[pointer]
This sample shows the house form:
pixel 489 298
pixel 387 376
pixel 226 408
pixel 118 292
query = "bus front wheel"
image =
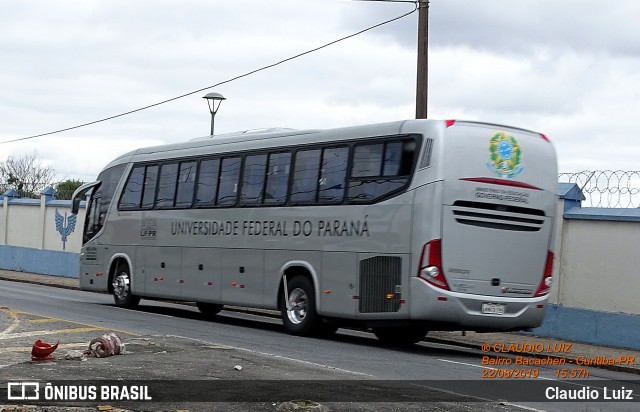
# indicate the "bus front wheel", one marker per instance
pixel 122 289
pixel 299 308
pixel 404 335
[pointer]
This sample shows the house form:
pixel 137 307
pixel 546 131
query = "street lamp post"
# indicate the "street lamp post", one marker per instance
pixel 211 102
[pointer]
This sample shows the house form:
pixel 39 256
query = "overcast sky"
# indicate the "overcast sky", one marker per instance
pixel 569 69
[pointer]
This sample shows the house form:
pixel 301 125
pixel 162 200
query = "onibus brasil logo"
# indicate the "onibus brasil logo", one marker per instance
pixel 505 154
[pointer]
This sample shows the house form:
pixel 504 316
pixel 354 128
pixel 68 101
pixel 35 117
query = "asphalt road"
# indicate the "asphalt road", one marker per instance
pixel 172 342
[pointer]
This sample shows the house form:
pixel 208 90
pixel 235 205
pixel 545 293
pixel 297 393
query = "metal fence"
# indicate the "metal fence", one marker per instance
pixel 607 188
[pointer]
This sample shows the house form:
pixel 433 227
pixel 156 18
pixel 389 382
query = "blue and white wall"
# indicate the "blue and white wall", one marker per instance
pixel 595 297
pixel 39 235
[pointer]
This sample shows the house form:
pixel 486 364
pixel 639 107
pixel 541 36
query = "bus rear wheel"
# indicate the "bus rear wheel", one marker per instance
pixel 208 310
pixel 122 288
pixel 299 308
pixel 402 335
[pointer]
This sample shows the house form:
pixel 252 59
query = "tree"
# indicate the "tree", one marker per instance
pixel 65 189
pixel 26 174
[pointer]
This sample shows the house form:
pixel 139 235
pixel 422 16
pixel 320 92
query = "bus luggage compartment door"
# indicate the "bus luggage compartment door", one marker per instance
pixel 494 252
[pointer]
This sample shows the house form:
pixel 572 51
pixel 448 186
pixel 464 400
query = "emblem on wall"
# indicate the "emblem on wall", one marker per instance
pixel 505 154
pixel 65 226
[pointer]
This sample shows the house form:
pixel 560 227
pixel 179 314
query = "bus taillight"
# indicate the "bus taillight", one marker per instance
pixel 547 279
pixel 431 264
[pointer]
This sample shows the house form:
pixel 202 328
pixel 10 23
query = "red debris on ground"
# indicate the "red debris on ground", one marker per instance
pixel 42 351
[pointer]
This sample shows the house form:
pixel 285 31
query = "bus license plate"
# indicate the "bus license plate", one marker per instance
pixel 493 308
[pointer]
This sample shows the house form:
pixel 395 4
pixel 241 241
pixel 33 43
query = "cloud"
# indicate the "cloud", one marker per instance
pixel 567 69
pixel 520 27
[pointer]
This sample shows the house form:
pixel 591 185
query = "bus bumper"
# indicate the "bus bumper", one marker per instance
pixel 462 311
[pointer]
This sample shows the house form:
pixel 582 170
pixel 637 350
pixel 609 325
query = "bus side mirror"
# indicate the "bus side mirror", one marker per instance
pixel 75 205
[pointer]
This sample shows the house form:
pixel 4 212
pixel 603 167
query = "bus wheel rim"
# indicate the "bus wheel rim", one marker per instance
pixel 297 311
pixel 121 286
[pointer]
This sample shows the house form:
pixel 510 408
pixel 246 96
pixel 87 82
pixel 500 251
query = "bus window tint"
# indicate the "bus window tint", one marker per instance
pixel 392 159
pixel 101 198
pixel 371 189
pixel 228 190
pixel 186 184
pixel 132 193
pixel 375 175
pixel 167 185
pixel 207 182
pixel 408 157
pixel 277 178
pixel 332 175
pixel 149 191
pixel 305 176
pixel 253 177
pixel 367 159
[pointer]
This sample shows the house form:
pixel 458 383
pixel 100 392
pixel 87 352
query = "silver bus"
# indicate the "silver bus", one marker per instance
pixel 399 228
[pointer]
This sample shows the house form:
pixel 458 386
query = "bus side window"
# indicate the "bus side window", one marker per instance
pixel 149 190
pixel 253 177
pixel 207 182
pixel 408 157
pixel 277 178
pixel 380 169
pixel 167 185
pixel 228 186
pixel 132 193
pixel 392 159
pixel 305 176
pixel 367 159
pixel 186 184
pixel 333 174
pixel 94 214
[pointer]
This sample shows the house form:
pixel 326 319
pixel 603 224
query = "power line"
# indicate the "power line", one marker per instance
pixel 225 81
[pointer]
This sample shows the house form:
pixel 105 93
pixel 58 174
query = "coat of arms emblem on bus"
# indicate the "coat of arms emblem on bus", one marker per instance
pixel 505 154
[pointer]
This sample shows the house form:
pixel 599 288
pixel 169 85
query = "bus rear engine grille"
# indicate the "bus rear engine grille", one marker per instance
pixel 380 279
pixel 498 216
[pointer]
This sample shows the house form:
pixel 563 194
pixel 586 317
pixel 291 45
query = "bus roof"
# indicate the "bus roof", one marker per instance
pixel 256 139
pixel 283 137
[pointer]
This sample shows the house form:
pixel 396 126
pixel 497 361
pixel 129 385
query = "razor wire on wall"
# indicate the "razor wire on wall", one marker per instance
pixel 607 188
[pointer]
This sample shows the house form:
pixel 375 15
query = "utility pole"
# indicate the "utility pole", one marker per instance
pixel 422 82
